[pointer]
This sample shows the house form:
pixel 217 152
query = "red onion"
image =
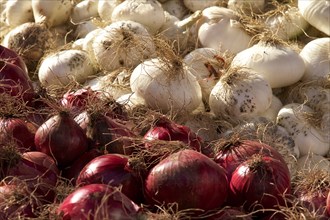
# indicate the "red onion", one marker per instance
pixel 10 56
pixel 228 213
pixel 39 172
pixel 72 172
pixel 17 131
pixel 14 82
pixel 62 138
pixel 232 154
pixel 98 201
pixel 16 202
pixel 114 170
pixel 328 203
pixel 165 129
pixel 106 133
pixel 261 182
pixel 188 178
pixel 77 101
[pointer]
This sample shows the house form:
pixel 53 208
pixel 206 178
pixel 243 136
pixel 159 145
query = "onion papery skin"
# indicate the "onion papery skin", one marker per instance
pixel 61 138
pixel 15 82
pixel 97 201
pixel 20 207
pixel 314 200
pixel 77 101
pixel 113 170
pixel 10 56
pixel 105 133
pixel 72 172
pixel 261 183
pixel 188 178
pixel 231 155
pixel 17 131
pixel 167 130
pixel 39 172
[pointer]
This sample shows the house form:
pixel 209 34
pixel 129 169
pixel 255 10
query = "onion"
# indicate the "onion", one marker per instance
pixel 105 9
pixel 10 56
pixel 97 201
pixel 140 11
pixel 220 29
pixel 17 131
pixel 176 8
pixel 17 12
pixel 51 13
pixel 61 138
pixel 165 129
pixel 247 6
pixel 228 213
pixel 65 67
pixel 189 179
pixel 316 12
pixel 272 112
pixel 316 57
pixel 240 94
pixel 114 170
pixel 15 82
pixel 298 120
pixel 166 86
pixel 38 171
pixel 328 203
pixel 279 64
pixel 84 10
pixel 231 154
pixel 313 162
pixel 311 188
pixel 194 5
pixel 261 182
pixel 105 133
pixel 16 202
pixel 122 44
pixel 72 172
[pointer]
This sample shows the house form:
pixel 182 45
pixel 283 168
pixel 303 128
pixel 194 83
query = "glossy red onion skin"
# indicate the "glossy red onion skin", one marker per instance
pixel 39 172
pixel 114 170
pixel 234 154
pixel 17 131
pixel 72 172
pixel 105 133
pixel 84 201
pixel 15 82
pixel 189 178
pixel 167 130
pixel 61 138
pixel 22 209
pixel 10 56
pixel 266 185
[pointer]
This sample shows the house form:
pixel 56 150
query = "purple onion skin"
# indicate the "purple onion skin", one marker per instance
pixel 190 179
pixel 97 201
pixel 61 138
pixel 114 170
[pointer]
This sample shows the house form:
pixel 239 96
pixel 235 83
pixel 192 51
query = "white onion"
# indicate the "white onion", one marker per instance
pixel 85 27
pixel 50 12
pixel 279 64
pixel 149 13
pixel 316 55
pixel 64 68
pixel 130 100
pixel 206 64
pixel 247 6
pixel 17 12
pixel 309 139
pixel 84 10
pixel 240 94
pixel 220 29
pixel 176 8
pixel 288 24
pixel 272 112
pixel 113 84
pixel 166 86
pixel 317 13
pixel 195 5
pixel 122 44
pixel 105 8
pixel 313 162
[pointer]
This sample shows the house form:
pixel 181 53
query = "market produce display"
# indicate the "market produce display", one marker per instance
pixel 164 109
